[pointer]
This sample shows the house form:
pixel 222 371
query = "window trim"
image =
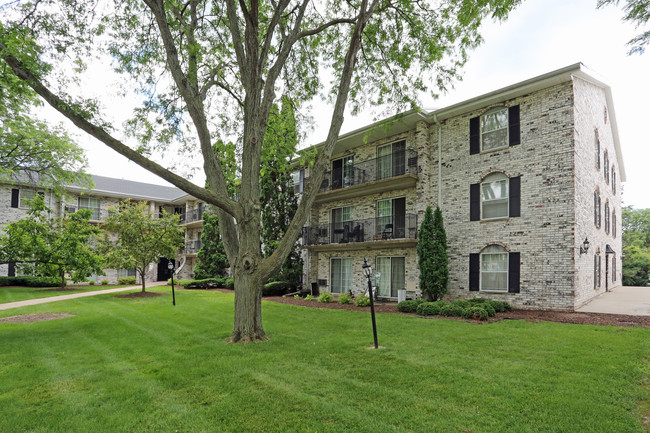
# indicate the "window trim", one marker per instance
pixel 96 212
pixel 506 253
pixel 390 288
pixel 21 198
pixel 507 198
pixel 331 276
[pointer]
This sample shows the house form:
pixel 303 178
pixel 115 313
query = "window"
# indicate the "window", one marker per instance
pixel 392 276
pixel 391 160
pixel 597 209
pixel 121 273
pixel 613 180
pixel 341 275
pixel 92 204
pixel 494 269
pixel 597 148
pixel 606 166
pixel 343 172
pixel 26 196
pixel 614 224
pixel 613 267
pixel 607 217
pixel 391 218
pixel 298 181
pixel 495 129
pixel 340 221
pixel 496 197
pixel 596 271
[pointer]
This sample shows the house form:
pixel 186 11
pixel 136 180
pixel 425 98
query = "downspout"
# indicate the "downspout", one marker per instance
pixel 437 122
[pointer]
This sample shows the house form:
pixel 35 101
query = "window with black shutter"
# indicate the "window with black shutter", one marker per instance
pixel 15 194
pixel 496 129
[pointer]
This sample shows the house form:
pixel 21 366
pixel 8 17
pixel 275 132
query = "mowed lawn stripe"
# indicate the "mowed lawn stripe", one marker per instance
pixel 144 365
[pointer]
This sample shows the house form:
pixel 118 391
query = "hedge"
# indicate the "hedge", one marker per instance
pixel 30 281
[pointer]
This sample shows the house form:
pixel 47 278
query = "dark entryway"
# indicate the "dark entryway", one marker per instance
pixel 163 271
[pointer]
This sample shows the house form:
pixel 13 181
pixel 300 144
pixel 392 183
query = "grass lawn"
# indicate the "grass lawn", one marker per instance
pixel 14 294
pixel 141 365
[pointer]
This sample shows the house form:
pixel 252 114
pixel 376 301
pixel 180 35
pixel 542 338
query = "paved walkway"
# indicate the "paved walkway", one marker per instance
pixel 634 301
pixel 18 304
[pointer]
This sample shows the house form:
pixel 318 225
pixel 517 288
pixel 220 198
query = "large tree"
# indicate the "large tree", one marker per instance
pixel 46 245
pixel 638 12
pixel 139 238
pixel 636 246
pixel 208 67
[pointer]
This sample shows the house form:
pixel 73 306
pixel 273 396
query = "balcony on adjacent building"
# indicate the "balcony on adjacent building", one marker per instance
pixel 192 216
pixel 394 229
pixel 392 171
pixel 191 248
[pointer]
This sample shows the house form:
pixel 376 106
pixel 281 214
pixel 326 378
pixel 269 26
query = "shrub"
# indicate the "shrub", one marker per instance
pixel 500 307
pixel 91 282
pixel 462 303
pixel 104 282
pixel 276 288
pixel 30 281
pixel 477 301
pixel 362 301
pixel 296 296
pixel 430 308
pixel 488 308
pixel 345 298
pixel 325 298
pixel 229 283
pixel 126 280
pixel 451 310
pixel 476 313
pixel 407 306
pixel 419 301
pixel 207 283
pixel 309 298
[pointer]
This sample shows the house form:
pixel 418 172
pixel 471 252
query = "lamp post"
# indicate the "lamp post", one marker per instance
pixel 367 271
pixel 170 266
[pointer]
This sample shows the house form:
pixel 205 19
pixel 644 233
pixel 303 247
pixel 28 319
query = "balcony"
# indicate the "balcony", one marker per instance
pixel 192 216
pixel 393 171
pixel 191 248
pixel 399 230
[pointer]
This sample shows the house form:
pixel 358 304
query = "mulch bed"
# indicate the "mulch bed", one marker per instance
pixel 529 315
pixel 28 318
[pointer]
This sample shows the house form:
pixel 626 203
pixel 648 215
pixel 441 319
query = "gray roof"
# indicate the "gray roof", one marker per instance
pixel 112 187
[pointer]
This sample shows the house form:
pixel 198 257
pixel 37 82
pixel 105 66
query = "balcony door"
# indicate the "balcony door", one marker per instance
pixel 341 275
pixel 391 218
pixel 391 160
pixel 392 276
pixel 343 172
pixel 340 223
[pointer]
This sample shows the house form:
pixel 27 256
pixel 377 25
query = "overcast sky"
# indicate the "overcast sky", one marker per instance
pixel 539 37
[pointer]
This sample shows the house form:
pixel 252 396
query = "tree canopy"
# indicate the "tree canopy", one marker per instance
pixel 45 245
pixel 205 69
pixel 636 246
pixel 638 12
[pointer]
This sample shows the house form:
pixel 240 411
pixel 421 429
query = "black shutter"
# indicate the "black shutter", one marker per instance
pixel 515 196
pixel 14 197
pixel 474 272
pixel 474 135
pixel 513 272
pixel 12 269
pixel 475 202
pixel 514 131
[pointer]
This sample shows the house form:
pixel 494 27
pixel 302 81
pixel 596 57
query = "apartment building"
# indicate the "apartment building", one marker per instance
pixel 14 199
pixel 528 181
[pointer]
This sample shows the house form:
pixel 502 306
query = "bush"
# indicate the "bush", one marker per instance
pixel 325 298
pixel 477 301
pixel 345 298
pixel 229 283
pixel 30 281
pixel 451 310
pixel 407 306
pixel 462 303
pixel 476 312
pixel 430 308
pixel 488 308
pixel 126 280
pixel 309 298
pixel 104 282
pixel 91 282
pixel 362 301
pixel 207 283
pixel 276 288
pixel 501 307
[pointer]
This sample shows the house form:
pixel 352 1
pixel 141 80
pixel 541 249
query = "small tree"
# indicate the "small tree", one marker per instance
pixel 432 255
pixel 52 246
pixel 140 238
pixel 212 257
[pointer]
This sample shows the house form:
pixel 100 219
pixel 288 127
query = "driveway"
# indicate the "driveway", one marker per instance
pixel 10 305
pixel 633 301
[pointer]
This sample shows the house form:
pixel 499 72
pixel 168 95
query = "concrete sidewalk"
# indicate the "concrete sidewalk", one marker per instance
pixel 634 301
pixel 18 304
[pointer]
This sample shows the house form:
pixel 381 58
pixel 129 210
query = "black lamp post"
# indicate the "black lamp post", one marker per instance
pixel 367 271
pixel 170 266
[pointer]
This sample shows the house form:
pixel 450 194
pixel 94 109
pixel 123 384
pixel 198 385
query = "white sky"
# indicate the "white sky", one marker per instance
pixel 539 37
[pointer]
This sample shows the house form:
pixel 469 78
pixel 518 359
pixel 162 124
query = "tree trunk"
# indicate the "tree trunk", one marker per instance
pixel 142 278
pixel 62 275
pixel 248 309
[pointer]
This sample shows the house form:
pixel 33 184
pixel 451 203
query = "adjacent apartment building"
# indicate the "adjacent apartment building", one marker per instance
pixel 527 177
pixel 14 199
pixel 528 181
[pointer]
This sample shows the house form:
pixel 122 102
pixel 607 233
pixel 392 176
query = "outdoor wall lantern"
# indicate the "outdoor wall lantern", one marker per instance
pixel 367 271
pixel 170 266
pixel 584 247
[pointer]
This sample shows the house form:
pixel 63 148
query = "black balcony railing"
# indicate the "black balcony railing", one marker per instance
pixel 191 216
pixel 367 230
pixel 392 165
pixel 191 247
